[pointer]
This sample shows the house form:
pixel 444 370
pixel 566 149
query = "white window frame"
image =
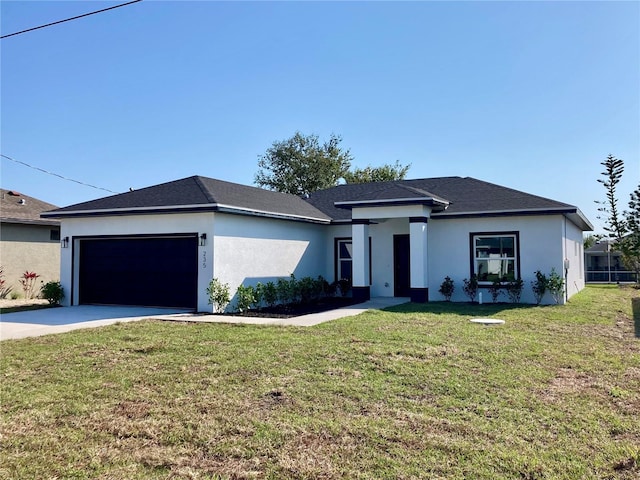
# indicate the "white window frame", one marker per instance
pixel 501 259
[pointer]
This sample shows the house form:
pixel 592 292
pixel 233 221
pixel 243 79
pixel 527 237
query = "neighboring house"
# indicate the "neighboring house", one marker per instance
pixel 162 245
pixel 604 264
pixel 27 242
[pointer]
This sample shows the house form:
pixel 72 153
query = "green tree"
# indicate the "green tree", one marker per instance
pixel 301 165
pixel 614 223
pixel 590 240
pixel 630 244
pixel 377 174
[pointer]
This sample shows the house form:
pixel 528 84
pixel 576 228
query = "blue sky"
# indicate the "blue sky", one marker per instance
pixel 530 95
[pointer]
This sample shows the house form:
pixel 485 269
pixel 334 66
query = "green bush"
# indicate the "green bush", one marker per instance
pixel 218 295
pixel 555 285
pixel 539 286
pixel 269 294
pixel 287 289
pixel 245 297
pixel 495 290
pixel 53 292
pixel 514 290
pixel 446 288
pixel 470 287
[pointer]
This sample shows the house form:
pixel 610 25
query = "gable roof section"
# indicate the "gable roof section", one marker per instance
pixel 194 194
pixel 23 209
pixel 449 197
pixel 460 197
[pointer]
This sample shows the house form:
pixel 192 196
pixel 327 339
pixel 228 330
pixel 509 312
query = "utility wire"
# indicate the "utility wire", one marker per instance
pixel 55 174
pixel 69 19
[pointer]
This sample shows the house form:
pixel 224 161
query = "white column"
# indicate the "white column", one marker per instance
pixel 360 260
pixel 418 251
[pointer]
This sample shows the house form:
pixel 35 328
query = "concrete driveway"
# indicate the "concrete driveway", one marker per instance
pixel 34 323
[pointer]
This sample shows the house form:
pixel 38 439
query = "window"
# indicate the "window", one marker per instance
pixel 344 260
pixel 495 256
pixel 54 234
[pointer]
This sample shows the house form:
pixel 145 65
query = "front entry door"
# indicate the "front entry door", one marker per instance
pixel 401 266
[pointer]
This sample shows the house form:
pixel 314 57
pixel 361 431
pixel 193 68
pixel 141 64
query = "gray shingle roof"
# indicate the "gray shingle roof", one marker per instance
pixel 198 193
pixel 460 195
pixel 465 196
pixel 16 207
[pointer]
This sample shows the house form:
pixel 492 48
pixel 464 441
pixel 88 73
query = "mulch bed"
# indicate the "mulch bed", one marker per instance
pixel 295 310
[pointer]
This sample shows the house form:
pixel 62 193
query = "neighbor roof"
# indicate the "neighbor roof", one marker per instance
pixel 448 197
pixel 198 194
pixel 16 207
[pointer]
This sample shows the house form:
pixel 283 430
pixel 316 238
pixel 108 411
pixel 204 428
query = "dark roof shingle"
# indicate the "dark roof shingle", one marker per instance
pixel 198 192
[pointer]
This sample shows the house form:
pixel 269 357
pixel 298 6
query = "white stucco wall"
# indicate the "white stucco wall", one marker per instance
pixel 574 253
pixel 541 248
pixel 544 242
pixel 381 234
pixel 248 250
pixel 76 228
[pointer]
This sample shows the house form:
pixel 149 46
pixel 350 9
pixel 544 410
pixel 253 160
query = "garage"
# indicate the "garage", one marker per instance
pixel 158 271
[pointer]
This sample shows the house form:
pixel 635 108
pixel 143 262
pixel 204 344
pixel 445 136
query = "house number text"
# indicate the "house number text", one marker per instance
pixel 204 259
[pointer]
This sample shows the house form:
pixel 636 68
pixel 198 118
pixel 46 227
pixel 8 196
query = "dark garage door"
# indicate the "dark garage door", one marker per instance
pixel 158 271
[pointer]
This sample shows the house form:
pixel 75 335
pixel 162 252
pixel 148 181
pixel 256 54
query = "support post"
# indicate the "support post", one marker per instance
pixel 360 244
pixel 418 251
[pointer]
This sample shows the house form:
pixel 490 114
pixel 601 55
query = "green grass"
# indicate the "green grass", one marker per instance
pixel 413 392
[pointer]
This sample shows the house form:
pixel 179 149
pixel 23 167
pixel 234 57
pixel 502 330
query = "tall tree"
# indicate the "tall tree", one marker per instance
pixel 301 165
pixel 614 223
pixel 630 244
pixel 377 174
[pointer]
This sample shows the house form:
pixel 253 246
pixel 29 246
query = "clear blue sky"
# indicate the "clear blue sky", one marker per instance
pixel 530 95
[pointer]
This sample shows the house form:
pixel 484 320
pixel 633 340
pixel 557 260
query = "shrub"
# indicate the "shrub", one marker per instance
pixel 539 286
pixel 5 290
pixel 514 290
pixel 446 288
pixel 218 295
pixel 495 290
pixel 245 297
pixel 320 287
pixel 306 288
pixel 286 290
pixel 555 285
pixel 28 282
pixel 470 287
pixel 345 286
pixel 270 294
pixel 259 296
pixel 53 292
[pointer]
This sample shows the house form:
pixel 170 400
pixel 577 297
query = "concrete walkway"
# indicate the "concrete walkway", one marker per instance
pixel 46 321
pixel 309 320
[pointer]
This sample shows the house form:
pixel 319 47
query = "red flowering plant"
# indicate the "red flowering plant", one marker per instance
pixel 5 289
pixel 28 281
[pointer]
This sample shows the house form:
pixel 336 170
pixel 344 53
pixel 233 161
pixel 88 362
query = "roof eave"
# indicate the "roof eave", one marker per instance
pixel 572 213
pixel 393 202
pixel 212 207
pixel 25 221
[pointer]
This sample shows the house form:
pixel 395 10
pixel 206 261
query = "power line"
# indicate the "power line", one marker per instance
pixel 56 175
pixel 69 19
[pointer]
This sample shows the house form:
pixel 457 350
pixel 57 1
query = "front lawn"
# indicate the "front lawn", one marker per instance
pixel 413 392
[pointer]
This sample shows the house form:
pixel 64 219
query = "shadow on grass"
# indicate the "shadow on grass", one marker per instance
pixel 460 308
pixel 635 306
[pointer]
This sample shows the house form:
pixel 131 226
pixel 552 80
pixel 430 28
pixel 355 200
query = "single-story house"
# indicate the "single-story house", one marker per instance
pixel 27 242
pixel 604 264
pixel 163 244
